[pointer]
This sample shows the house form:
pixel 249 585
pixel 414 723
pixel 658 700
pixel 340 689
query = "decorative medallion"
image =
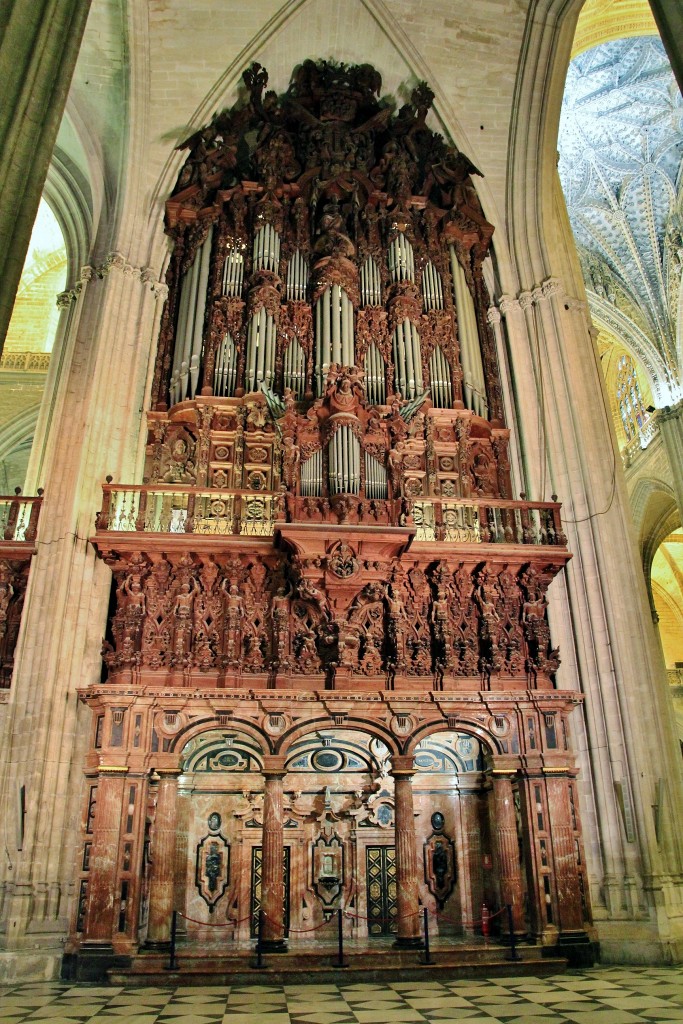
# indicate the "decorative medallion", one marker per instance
pixel 212 873
pixel 439 862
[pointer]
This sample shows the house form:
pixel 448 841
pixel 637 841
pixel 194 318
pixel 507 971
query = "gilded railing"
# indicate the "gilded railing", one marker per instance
pixel 19 517
pixel 179 509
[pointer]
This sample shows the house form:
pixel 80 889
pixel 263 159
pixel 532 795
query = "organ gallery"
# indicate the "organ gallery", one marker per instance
pixel 328 674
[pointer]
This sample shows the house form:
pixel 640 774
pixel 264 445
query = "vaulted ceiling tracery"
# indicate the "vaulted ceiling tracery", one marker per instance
pixel 621 148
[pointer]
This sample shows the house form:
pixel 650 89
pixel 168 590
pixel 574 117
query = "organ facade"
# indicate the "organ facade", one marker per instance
pixel 328 675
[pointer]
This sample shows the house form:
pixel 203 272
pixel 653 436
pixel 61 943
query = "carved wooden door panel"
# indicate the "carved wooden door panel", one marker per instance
pixel 381 883
pixel 256 871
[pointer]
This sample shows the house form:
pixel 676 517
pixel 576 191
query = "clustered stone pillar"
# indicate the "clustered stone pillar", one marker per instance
pixel 272 881
pixel 39 44
pixel 670 420
pixel 407 881
pixel 163 852
pixel 504 827
pixel 104 855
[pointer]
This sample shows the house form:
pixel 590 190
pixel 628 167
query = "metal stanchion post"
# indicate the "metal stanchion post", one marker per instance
pixel 259 942
pixel 340 940
pixel 511 928
pixel 427 959
pixel 172 962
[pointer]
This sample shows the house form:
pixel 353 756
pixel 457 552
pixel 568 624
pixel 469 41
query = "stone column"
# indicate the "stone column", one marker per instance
pixel 472 887
pixel 39 44
pixel 669 17
pixel 567 885
pixel 504 828
pixel 407 881
pixel 272 885
pixel 163 851
pixel 670 420
pixel 104 856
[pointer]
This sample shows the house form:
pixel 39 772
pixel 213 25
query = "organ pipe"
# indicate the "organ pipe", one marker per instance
pixel 225 369
pixel 295 368
pixel 266 252
pixel 260 350
pixel 190 326
pixel 400 260
pixel 344 461
pixel 233 273
pixel 375 479
pixel 312 476
pixel 370 284
pixel 432 288
pixel 440 380
pixel 474 385
pixel 375 376
pixel 297 278
pixel 334 336
pixel 407 359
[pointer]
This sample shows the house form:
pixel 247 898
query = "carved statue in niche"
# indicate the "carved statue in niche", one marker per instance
pixel 541 657
pixel 208 611
pixel 280 614
pixel 509 638
pixel 440 616
pixel 291 459
pixel 183 631
pixel 486 595
pixel 177 461
pixel 365 631
pixel 234 613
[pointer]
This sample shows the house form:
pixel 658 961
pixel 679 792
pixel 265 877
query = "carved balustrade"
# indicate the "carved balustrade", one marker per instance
pixel 182 509
pixel 18 528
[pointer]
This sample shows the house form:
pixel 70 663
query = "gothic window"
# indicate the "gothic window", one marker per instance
pixel 631 408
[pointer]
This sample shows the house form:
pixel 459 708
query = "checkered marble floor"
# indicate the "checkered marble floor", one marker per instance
pixel 597 996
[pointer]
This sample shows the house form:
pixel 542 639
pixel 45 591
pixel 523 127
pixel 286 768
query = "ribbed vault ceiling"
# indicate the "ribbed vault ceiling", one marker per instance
pixel 621 152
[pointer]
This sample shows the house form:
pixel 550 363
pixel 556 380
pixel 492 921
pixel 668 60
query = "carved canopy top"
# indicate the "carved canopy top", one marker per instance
pixel 329 136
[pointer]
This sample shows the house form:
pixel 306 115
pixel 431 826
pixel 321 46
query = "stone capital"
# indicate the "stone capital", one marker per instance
pixel 402 765
pixel 274 765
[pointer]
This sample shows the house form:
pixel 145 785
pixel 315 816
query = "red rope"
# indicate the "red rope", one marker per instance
pixel 213 924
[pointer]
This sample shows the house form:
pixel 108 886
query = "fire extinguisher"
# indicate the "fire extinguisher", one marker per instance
pixel 485 921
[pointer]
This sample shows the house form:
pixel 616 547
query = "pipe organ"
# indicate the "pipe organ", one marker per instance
pixel 346 254
pixel 344 460
pixel 190 329
pixel 407 359
pixel 326 507
pixel 474 386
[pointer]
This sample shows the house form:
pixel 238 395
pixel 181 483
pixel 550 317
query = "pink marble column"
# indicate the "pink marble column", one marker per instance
pixel 504 827
pixel 163 851
pixel 472 885
pixel 407 879
pixel 564 850
pixel 272 885
pixel 104 856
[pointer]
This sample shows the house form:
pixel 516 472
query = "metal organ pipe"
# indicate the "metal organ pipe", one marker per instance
pixel 312 476
pixel 375 376
pixel 225 368
pixel 440 380
pixel 266 252
pixel 400 260
pixel 295 368
pixel 334 337
pixel 344 461
pixel 474 385
pixel 189 337
pixel 233 273
pixel 297 278
pixel 375 479
pixel 370 284
pixel 432 288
